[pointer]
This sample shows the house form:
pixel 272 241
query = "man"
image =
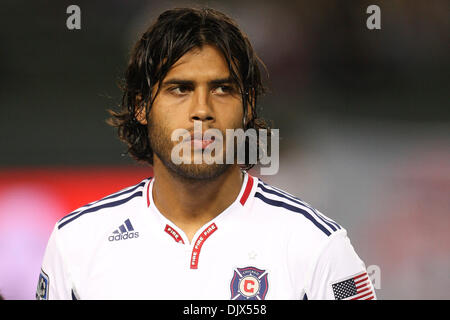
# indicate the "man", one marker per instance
pixel 200 230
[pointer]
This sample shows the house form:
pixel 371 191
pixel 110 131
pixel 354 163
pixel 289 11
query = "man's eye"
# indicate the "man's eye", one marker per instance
pixel 180 90
pixel 222 90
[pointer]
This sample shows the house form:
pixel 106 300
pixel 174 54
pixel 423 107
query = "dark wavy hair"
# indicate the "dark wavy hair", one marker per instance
pixel 173 34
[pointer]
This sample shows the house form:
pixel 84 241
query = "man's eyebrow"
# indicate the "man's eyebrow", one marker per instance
pixel 191 82
pixel 177 81
pixel 222 81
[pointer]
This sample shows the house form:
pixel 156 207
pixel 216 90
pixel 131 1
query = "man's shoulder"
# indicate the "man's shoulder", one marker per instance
pixel 284 208
pixel 97 211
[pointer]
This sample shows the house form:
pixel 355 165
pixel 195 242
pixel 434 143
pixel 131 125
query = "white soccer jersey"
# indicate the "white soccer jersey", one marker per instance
pixel 266 245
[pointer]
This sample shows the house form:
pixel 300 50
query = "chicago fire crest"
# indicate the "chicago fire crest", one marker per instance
pixel 249 283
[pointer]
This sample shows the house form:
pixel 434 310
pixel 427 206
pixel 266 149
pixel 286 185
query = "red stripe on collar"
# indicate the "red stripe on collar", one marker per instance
pixel 148 195
pixel 174 234
pixel 209 230
pixel 247 190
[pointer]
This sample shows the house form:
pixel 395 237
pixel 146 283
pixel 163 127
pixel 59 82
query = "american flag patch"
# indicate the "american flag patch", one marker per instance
pixel 357 287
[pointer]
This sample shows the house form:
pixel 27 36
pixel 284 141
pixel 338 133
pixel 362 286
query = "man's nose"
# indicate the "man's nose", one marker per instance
pixel 201 108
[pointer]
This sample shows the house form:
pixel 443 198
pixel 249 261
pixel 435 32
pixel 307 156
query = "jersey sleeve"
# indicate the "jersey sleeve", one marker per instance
pixel 338 273
pixel 54 279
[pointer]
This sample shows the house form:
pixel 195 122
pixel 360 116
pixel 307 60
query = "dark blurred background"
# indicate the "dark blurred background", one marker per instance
pixel 363 117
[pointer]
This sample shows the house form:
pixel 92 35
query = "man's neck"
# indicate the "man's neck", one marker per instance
pixel 190 204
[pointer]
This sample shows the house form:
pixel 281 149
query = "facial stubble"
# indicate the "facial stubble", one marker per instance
pixel 162 145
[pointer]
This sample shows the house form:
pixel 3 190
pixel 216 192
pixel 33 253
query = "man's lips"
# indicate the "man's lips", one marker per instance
pixel 197 141
pixel 201 144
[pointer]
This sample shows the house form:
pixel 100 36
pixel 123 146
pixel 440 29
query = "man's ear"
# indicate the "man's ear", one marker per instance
pixel 140 111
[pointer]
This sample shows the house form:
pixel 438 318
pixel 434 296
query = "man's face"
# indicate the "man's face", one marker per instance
pixel 198 87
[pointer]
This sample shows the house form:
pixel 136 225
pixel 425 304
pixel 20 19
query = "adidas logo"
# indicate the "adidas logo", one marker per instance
pixel 124 232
